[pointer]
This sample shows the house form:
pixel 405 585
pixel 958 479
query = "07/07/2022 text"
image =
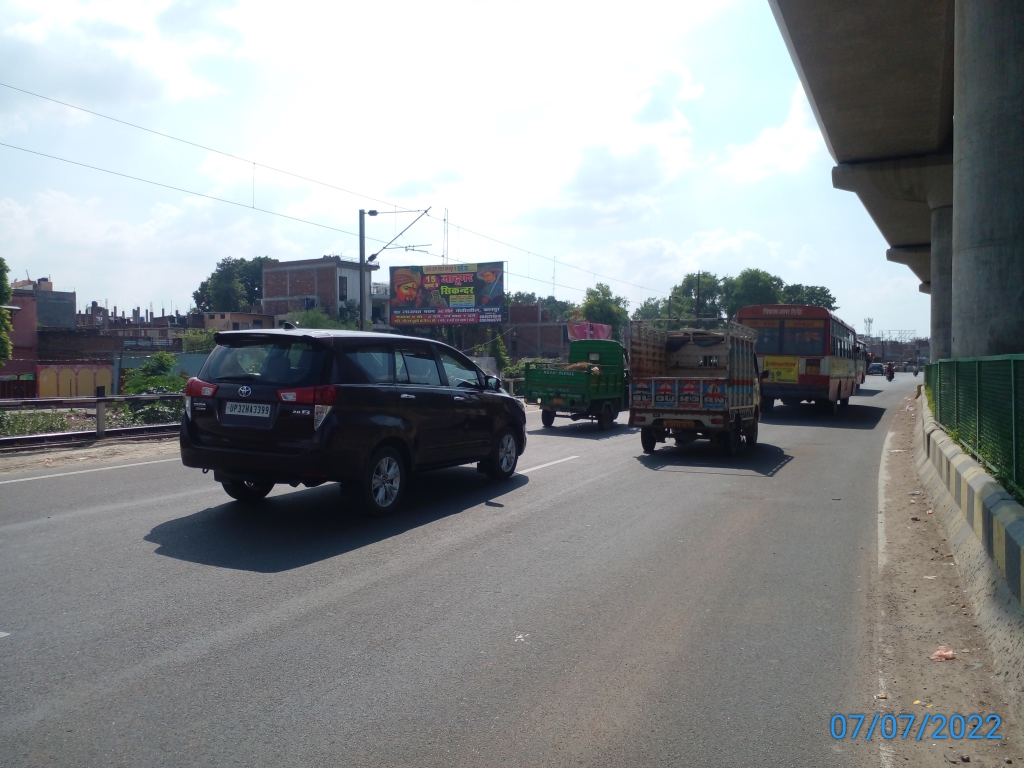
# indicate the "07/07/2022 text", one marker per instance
pixel 891 726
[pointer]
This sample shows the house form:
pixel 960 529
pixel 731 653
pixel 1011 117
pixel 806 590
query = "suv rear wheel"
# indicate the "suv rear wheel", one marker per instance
pixel 384 481
pixel 243 490
pixel 501 464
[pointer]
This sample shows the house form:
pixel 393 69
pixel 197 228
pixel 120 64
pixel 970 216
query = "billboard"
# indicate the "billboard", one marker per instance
pixel 448 294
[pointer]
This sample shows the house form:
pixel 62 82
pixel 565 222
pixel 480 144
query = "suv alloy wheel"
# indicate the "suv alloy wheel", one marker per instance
pixel 501 464
pixel 384 482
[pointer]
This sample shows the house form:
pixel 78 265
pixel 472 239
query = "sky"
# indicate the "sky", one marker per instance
pixel 578 142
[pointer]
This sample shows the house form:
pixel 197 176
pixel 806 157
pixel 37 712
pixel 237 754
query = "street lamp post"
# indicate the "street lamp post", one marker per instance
pixel 363 261
pixel 362 267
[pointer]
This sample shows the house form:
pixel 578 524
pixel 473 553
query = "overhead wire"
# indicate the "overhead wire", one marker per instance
pixel 287 173
pixel 185 191
pixel 194 144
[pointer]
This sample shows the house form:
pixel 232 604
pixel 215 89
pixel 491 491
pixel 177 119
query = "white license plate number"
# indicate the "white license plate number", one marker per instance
pixel 248 409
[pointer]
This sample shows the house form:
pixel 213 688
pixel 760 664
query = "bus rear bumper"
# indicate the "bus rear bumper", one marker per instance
pixel 796 391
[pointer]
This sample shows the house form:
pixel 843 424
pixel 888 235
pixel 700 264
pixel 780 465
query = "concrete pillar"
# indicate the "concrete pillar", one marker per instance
pixel 941 282
pixel 988 178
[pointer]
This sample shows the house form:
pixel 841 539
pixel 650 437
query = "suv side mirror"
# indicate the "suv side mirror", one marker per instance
pixel 494 383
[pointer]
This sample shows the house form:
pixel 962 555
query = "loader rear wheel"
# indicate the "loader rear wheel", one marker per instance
pixel 647 440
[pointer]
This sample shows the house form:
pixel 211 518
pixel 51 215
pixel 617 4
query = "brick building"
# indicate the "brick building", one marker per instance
pixel 533 334
pixel 236 321
pixel 18 375
pixel 325 283
pixel 54 309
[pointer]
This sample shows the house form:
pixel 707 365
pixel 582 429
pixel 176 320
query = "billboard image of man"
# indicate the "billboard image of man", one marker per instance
pixel 406 284
pixel 488 285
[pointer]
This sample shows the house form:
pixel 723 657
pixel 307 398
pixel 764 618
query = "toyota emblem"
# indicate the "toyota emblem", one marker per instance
pixel 244 391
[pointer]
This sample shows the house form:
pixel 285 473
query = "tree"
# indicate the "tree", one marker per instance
pixel 155 375
pixel 812 295
pixel 496 349
pixel 234 284
pixel 651 309
pixel 600 306
pixel 317 318
pixel 198 340
pixel 698 295
pixel 6 348
pixel 557 310
pixel 751 286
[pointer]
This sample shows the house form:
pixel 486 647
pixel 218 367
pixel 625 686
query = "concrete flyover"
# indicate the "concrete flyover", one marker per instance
pixel 884 80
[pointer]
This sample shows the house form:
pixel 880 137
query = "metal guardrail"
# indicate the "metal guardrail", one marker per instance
pixel 85 435
pixel 99 403
pixel 980 403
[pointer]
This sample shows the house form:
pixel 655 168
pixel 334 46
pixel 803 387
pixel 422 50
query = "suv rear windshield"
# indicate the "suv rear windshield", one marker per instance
pixel 281 362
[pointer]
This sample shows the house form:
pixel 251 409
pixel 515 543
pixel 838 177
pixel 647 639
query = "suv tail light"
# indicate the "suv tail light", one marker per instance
pixel 321 398
pixel 326 395
pixel 197 388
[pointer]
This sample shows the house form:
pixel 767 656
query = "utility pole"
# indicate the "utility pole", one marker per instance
pixel 362 269
pixel 696 309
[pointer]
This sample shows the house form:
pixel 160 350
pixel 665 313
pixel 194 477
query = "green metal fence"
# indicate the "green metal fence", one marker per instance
pixel 980 402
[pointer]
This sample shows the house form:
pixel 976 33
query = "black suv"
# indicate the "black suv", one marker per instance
pixel 309 406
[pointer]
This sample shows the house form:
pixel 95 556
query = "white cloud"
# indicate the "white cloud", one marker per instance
pixel 785 149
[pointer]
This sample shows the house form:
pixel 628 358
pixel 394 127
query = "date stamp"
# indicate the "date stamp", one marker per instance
pixel 931 727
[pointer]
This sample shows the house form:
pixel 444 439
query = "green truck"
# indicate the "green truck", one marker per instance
pixel 594 384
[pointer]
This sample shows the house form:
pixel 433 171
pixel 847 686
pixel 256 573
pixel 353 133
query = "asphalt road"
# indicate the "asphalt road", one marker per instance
pixel 611 609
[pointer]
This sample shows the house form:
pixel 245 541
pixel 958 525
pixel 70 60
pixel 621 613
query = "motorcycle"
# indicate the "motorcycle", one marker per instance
pixel 889 375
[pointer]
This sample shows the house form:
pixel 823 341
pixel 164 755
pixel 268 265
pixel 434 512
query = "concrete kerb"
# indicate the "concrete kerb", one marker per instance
pixel 984 527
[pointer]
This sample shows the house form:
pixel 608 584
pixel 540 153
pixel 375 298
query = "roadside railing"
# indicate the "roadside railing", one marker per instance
pixel 979 402
pixel 99 406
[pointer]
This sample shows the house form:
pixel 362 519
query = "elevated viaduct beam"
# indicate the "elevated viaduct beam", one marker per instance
pixel 988 179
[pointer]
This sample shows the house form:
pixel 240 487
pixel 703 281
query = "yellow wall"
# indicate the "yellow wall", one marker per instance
pixel 73 380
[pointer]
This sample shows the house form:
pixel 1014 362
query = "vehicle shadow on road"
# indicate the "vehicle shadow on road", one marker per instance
pixel 581 429
pixel 701 457
pixel 867 392
pixel 809 415
pixel 296 529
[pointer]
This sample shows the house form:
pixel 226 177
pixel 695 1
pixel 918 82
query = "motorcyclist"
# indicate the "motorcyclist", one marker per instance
pixel 890 371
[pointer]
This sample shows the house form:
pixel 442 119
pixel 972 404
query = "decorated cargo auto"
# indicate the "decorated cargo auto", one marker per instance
pixel 694 382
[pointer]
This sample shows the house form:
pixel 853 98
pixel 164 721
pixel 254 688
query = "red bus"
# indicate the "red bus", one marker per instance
pixel 803 353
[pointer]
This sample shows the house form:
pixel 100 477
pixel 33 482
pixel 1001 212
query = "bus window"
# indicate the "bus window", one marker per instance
pixel 803 341
pixel 767 337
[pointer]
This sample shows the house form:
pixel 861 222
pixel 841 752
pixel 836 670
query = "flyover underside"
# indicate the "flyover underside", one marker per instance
pixel 882 79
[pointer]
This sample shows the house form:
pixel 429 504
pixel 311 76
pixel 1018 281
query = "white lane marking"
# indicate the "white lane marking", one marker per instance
pixel 885 752
pixel 883 480
pixel 84 471
pixel 549 464
pixel 5 634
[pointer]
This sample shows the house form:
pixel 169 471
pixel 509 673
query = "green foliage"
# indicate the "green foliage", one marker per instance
pixel 651 309
pixel 600 306
pixel 496 349
pixel 517 370
pixel 232 286
pixel 812 295
pixel 6 348
pixel 198 340
pixel 559 311
pixel 751 286
pixel 317 318
pixel 154 376
pixel 32 422
pixel 699 295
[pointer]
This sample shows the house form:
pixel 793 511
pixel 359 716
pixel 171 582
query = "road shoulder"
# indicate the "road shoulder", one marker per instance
pixel 921 603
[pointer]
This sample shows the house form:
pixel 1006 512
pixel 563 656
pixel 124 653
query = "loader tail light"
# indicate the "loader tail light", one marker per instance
pixel 197 388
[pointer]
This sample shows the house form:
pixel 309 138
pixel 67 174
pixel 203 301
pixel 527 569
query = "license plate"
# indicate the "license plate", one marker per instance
pixel 557 400
pixel 247 409
pixel 676 424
